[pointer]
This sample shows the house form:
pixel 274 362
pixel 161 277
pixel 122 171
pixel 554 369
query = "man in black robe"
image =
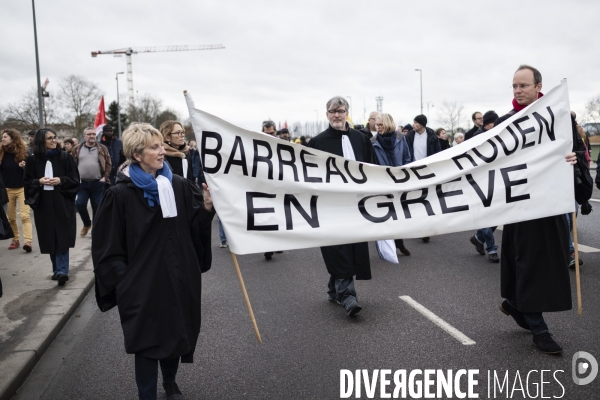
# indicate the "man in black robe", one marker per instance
pixel 344 261
pixel 534 278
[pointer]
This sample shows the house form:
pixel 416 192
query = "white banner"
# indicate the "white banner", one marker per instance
pixel 274 195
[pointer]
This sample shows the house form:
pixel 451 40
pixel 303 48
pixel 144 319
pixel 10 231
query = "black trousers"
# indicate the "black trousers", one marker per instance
pixel 146 375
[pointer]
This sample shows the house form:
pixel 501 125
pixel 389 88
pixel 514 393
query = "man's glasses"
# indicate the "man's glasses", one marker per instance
pixel 333 112
pixel 51 138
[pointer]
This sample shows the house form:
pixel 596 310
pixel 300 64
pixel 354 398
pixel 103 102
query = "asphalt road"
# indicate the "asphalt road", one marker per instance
pixel 307 340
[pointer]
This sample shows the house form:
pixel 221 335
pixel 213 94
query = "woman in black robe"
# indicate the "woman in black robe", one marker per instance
pixel 178 153
pixel 51 185
pixel 150 243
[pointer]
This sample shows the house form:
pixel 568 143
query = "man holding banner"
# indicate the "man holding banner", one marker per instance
pixel 534 253
pixel 344 261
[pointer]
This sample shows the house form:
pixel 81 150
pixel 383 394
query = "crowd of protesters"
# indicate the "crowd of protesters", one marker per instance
pixel 152 179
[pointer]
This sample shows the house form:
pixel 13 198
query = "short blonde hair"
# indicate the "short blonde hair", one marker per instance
pixel 166 128
pixel 388 122
pixel 136 137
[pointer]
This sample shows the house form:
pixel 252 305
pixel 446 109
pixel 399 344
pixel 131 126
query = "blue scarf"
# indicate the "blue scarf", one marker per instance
pixel 51 153
pixel 147 182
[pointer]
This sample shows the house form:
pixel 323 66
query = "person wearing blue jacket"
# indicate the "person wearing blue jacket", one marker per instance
pixel 392 151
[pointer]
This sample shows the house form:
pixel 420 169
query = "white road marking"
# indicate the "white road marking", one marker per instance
pixel 452 331
pixel 595 200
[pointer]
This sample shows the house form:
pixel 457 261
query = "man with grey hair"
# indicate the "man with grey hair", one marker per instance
pixel 94 165
pixel 344 261
pixel 268 127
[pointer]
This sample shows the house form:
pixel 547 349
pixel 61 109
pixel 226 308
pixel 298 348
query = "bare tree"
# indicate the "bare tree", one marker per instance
pixel 451 115
pixel 81 98
pixel 24 113
pixel 146 109
pixel 592 116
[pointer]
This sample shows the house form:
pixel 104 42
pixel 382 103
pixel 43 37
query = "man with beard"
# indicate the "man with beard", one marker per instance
pixel 344 261
pixel 533 276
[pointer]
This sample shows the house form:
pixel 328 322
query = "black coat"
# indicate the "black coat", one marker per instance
pixel 150 267
pixel 346 260
pixel 54 214
pixel 433 143
pixel 444 144
pixel 534 259
pixel 471 132
pixel 176 164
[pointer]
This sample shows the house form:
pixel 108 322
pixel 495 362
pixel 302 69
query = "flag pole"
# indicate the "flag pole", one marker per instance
pixel 239 274
pixel 577 280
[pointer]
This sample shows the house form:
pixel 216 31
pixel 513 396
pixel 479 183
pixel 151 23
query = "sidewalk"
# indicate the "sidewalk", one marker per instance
pixel 34 308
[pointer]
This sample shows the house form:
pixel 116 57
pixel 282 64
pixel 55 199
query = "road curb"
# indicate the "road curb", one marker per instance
pixel 25 360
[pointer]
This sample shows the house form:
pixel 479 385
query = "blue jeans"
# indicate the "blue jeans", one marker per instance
pixel 60 262
pixel 343 290
pixel 486 235
pixel 535 320
pixel 146 375
pixel 222 232
pixel 91 190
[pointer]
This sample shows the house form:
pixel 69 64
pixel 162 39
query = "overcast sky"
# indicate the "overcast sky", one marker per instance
pixel 285 59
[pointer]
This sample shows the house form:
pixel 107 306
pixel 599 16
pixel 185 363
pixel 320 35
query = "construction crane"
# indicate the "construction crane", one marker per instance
pixel 135 50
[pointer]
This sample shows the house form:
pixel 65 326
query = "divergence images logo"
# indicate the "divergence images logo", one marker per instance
pixel 584 363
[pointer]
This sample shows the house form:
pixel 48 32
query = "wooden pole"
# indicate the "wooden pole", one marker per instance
pixel 239 274
pixel 577 280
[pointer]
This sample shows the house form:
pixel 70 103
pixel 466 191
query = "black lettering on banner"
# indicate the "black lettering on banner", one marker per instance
pixel 442 197
pixel 486 201
pixel 291 162
pixel 508 183
pixel 331 163
pixel 396 180
pixel 242 161
pixel 419 200
pixel 313 219
pixel 266 159
pixel 420 177
pixel 389 204
pixel 463 155
pixel 213 152
pixel 306 165
pixel 524 131
pixel 514 135
pixel 549 128
pixel 360 169
pixel 485 158
pixel 251 210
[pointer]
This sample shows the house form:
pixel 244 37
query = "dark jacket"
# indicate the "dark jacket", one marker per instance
pixel 176 164
pixel 54 213
pixel 150 266
pixel 115 150
pixel 471 132
pixel 346 260
pixel 444 144
pixel 433 144
pixel 3 192
pixel 103 158
pixel 400 156
pixel 195 157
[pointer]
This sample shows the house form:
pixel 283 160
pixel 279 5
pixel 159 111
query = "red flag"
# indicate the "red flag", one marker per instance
pixel 285 124
pixel 100 117
pixel 279 127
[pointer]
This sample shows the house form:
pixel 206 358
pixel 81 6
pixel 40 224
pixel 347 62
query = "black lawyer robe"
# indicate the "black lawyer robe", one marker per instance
pixel 55 221
pixel 150 267
pixel 346 260
pixel 534 258
pixel 176 164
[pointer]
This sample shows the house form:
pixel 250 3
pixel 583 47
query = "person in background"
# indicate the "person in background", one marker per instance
pixel 94 166
pixel 268 127
pixel 68 145
pixel 459 137
pixel 392 151
pixel 115 150
pixel 178 155
pixel 303 141
pixel 196 164
pixel 443 138
pixel 51 184
pixel 478 123
pixel 370 129
pixel 75 141
pixel 284 134
pixel 407 128
pixel 148 255
pixel 13 153
pixel 31 136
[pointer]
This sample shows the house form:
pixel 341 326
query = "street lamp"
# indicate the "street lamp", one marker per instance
pixel 421 79
pixel 37 66
pixel 118 103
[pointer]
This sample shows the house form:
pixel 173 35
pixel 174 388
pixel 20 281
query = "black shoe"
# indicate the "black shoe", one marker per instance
pixel 494 257
pixel 269 255
pixel 400 246
pixel 478 245
pixel 353 309
pixel 54 276
pixel 334 300
pixel 279 252
pixel 172 391
pixel 572 261
pixel 517 315
pixel 546 344
pixel 62 279
pixel 425 239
